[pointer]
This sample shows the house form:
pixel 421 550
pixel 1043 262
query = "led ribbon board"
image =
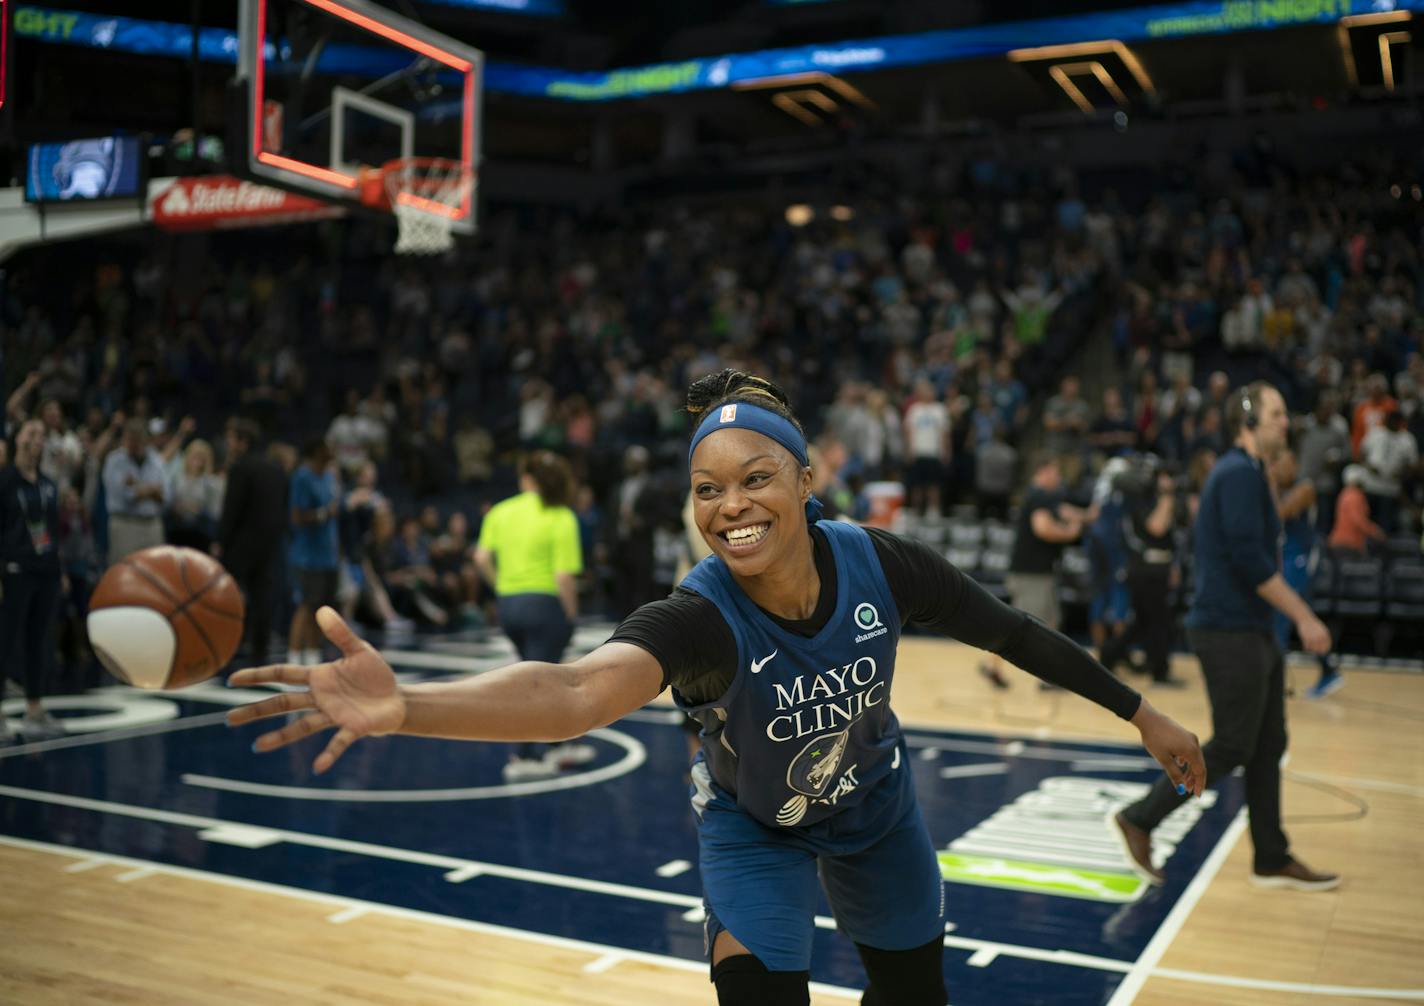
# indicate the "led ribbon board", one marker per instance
pixel 1168 21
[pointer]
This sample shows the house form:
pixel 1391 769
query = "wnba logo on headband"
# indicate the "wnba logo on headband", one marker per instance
pixel 746 416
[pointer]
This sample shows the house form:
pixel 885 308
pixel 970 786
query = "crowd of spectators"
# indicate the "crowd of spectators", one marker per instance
pixel 919 328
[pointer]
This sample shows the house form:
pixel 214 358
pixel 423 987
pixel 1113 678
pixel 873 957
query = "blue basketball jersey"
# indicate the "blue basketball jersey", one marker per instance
pixel 805 729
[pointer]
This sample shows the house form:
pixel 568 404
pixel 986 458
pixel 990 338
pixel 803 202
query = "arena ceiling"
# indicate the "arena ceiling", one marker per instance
pixel 1301 68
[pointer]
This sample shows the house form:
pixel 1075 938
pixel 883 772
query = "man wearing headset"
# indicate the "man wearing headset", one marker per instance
pixel 1238 588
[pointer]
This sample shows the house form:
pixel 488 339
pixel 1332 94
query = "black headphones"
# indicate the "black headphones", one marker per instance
pixel 1249 419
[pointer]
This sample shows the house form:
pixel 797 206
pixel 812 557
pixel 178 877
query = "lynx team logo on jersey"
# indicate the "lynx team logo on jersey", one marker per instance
pixel 811 773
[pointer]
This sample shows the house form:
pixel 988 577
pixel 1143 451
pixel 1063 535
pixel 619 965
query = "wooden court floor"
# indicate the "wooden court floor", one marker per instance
pixel 84 929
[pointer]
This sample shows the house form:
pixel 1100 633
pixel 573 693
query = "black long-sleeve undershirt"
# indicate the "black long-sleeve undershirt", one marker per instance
pixel 688 636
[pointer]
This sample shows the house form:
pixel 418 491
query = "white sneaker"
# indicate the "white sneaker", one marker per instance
pixel 44 727
pixel 524 769
pixel 570 755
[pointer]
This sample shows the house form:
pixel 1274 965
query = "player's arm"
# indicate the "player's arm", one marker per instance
pixel 358 696
pixel 531 700
pixel 936 594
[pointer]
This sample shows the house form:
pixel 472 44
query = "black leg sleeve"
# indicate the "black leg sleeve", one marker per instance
pixel 743 980
pixel 905 977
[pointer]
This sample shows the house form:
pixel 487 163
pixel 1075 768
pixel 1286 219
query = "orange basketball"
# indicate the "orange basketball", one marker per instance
pixel 165 617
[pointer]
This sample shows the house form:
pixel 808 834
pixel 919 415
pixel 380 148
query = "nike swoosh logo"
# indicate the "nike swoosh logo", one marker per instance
pixel 757 664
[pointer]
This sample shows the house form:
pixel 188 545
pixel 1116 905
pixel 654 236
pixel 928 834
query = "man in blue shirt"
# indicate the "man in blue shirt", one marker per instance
pixel 136 492
pixel 314 502
pixel 1239 588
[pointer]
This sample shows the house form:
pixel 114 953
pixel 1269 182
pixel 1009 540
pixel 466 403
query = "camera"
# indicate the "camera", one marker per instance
pixel 1136 480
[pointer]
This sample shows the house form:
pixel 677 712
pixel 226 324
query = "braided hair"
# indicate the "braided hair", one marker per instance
pixel 728 386
pixel 736 387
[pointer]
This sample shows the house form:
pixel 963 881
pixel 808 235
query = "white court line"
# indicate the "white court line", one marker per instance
pixel 1375 784
pixel 407 914
pixel 1177 917
pixel 447 863
pixel 1112 764
pixel 605 963
pixel 89 861
pixel 634 755
pixel 969 771
pixel 673 867
pixel 84 865
pixel 653 715
pixel 242 836
pixel 105 736
pixel 453 864
pixel 347 914
pixel 1013 749
pixel 141 873
pixel 1299 988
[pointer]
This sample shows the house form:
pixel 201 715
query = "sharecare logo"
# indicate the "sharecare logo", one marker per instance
pixel 867 618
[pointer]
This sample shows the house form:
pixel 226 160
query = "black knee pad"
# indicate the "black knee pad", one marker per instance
pixel 904 977
pixel 743 980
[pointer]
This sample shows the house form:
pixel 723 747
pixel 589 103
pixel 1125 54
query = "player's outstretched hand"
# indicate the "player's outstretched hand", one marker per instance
pixel 1175 748
pixel 357 694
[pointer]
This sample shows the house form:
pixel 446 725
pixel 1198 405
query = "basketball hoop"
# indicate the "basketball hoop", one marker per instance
pixel 427 195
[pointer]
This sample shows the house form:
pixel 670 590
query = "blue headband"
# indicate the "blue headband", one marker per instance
pixel 742 416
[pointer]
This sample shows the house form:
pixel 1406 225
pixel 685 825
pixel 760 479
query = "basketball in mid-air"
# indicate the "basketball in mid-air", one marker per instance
pixel 165 617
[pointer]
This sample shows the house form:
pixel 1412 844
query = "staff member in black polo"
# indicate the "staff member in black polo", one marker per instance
pixel 30 578
pixel 252 529
pixel 1151 552
pixel 1238 586
pixel 1046 524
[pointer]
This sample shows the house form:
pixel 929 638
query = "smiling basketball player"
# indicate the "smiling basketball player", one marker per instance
pixel 782 644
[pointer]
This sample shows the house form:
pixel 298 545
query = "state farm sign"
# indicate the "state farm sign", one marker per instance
pixel 222 201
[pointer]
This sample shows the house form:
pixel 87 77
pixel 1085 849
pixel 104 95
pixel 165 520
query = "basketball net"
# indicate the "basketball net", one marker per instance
pixel 427 195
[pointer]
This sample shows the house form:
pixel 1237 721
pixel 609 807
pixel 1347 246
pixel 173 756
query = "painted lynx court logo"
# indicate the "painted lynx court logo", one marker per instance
pixel 867 620
pixel 1052 840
